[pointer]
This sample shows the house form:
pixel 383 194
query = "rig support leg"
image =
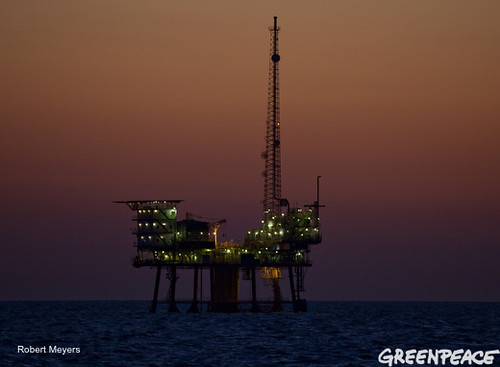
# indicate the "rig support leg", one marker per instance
pixel 292 289
pixel 255 305
pixel 277 306
pixel 225 287
pixel 155 294
pixel 172 307
pixel 211 273
pixel 301 303
pixel 194 304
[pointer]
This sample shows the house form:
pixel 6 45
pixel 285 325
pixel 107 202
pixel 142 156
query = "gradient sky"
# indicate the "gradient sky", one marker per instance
pixel 395 103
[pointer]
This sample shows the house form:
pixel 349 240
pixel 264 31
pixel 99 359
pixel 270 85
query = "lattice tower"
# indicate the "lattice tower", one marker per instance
pixel 272 155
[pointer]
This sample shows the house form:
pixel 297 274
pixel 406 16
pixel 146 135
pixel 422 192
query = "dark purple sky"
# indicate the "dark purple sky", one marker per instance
pixel 396 105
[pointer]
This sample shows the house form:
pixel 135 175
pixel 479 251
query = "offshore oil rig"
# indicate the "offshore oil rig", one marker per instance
pixel 282 243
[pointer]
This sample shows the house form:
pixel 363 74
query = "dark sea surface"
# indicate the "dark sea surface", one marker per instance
pixel 124 333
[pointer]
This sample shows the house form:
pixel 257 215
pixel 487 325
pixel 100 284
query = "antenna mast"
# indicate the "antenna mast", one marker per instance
pixel 272 155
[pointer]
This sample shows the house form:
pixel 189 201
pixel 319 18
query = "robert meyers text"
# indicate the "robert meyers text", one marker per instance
pixel 51 349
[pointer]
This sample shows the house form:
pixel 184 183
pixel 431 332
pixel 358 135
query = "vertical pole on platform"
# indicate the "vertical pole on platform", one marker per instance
pixel 155 295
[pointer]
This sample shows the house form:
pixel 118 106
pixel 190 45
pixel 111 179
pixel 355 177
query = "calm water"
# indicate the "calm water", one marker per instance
pixel 330 334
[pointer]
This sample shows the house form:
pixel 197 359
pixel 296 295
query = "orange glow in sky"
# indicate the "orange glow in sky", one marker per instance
pixel 395 104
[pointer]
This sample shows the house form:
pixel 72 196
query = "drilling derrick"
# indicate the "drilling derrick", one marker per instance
pixel 272 155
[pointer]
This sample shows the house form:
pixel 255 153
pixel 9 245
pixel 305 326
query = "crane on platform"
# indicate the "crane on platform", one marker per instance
pixel 214 227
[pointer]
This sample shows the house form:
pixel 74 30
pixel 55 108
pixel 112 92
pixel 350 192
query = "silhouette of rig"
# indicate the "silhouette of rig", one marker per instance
pixel 281 243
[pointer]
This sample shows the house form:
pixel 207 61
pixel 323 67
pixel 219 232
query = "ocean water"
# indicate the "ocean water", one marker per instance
pixel 331 334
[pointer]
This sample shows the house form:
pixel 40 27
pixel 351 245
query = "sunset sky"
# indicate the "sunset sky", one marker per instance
pixel 396 104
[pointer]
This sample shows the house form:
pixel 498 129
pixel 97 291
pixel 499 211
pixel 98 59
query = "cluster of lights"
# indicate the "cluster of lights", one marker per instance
pixel 154 224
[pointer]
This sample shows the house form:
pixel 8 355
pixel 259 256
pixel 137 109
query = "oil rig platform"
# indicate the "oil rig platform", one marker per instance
pixel 281 244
